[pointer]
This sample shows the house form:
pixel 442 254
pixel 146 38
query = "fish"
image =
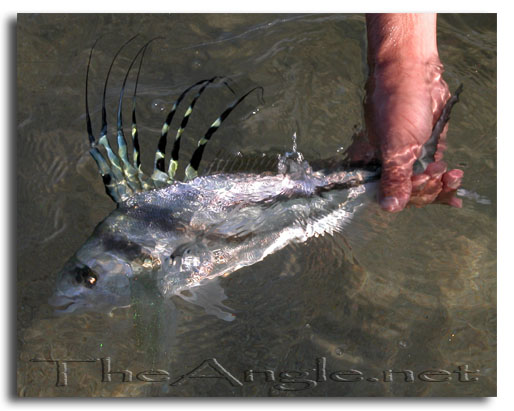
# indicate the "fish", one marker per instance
pixel 180 236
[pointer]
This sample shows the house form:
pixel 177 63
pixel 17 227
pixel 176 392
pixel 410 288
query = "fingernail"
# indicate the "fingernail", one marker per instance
pixel 390 204
pixel 453 179
pixel 454 185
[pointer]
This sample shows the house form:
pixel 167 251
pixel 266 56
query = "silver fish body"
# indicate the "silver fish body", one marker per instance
pixel 185 234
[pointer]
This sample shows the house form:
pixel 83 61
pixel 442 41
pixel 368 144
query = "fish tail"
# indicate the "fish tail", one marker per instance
pixel 430 147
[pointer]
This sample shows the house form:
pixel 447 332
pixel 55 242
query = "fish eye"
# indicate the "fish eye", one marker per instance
pixel 86 275
pixel 90 280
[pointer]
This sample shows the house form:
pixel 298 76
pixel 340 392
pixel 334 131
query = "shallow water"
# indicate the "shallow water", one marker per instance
pixel 411 291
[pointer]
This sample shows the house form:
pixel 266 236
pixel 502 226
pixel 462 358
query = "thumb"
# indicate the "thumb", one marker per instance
pixel 395 187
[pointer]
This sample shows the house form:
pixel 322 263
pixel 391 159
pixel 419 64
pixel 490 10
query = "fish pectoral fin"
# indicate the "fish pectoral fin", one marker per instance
pixel 210 296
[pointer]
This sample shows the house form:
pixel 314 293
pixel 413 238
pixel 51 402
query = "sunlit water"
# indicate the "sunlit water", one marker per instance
pixel 411 291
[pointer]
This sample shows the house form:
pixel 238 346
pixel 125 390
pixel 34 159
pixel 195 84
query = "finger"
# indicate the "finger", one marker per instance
pixel 427 186
pixel 455 202
pixel 419 181
pixel 428 194
pixel 452 180
pixel 436 170
pixel 395 188
pixel 450 199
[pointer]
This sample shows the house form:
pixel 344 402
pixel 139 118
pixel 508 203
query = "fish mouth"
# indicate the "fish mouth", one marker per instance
pixel 63 304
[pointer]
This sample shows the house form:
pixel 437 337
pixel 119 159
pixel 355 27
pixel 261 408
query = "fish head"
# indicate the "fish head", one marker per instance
pixel 92 280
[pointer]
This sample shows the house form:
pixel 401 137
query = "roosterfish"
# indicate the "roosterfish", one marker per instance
pixel 182 235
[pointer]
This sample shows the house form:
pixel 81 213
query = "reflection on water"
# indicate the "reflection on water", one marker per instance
pixel 412 291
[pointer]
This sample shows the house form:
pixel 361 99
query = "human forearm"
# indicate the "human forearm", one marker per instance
pixel 406 38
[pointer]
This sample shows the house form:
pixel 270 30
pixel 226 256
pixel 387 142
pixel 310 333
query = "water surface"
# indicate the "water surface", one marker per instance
pixel 410 291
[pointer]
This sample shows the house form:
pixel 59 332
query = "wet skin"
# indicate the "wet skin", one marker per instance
pixel 405 94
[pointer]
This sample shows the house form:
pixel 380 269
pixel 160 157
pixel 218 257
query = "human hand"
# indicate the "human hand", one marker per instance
pixel 405 97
